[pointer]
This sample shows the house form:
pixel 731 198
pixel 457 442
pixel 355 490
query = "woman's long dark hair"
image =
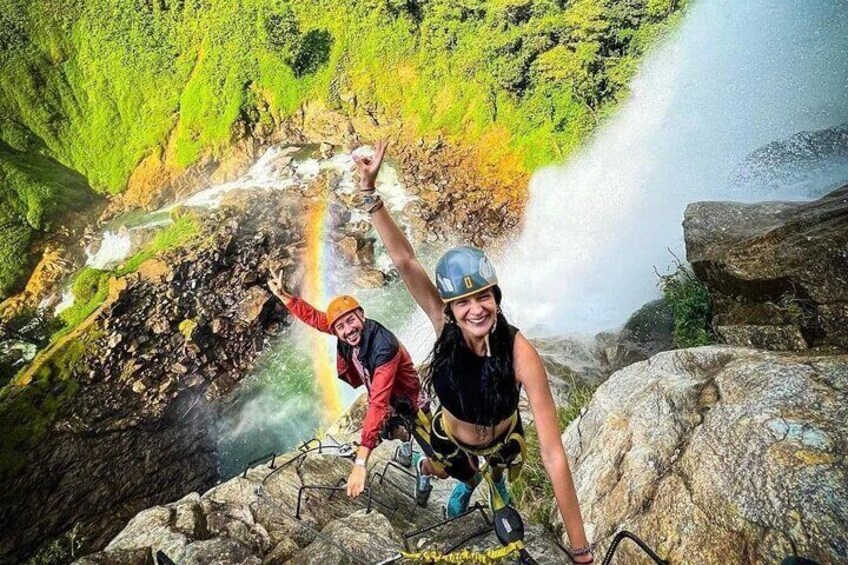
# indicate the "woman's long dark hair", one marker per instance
pixel 497 381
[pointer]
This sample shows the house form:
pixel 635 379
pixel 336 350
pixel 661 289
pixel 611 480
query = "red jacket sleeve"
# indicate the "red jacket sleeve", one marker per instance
pixel 307 314
pixel 382 383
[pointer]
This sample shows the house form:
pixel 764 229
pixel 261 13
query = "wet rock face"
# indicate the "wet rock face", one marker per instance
pixel 718 455
pixel 140 428
pixel 777 271
pixel 455 197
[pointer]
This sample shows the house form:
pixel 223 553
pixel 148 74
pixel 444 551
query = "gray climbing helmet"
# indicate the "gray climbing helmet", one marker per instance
pixel 462 271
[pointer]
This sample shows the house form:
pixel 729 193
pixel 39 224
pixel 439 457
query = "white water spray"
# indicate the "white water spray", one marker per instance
pixel 114 248
pixel 738 75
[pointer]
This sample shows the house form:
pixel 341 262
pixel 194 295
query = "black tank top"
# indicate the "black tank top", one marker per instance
pixel 463 398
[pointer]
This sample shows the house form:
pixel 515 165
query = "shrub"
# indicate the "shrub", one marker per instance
pixel 90 288
pixel 283 30
pixel 313 53
pixel 690 300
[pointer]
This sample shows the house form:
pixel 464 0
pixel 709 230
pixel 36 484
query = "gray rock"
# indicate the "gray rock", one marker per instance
pixel 254 304
pixel 283 551
pixel 718 455
pixel 189 519
pixel 369 536
pixel 151 529
pixel 369 278
pixel 773 338
pixel 218 551
pixel 783 264
pixel 118 557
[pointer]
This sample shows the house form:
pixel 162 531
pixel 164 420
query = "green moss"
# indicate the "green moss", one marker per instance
pixel 533 492
pixel 90 289
pixel 91 286
pixel 183 230
pixel 27 412
pixel 690 301
pixel 34 192
pixel 143 72
pixel 104 84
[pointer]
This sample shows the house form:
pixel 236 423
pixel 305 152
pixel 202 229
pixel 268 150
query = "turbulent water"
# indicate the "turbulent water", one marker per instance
pixel 736 77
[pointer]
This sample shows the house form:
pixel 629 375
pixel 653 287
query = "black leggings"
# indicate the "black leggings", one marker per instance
pixel 460 461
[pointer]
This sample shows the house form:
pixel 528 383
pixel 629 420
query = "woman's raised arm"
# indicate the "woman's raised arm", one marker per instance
pixel 400 250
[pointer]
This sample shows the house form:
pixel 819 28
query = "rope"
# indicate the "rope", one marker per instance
pixel 487 557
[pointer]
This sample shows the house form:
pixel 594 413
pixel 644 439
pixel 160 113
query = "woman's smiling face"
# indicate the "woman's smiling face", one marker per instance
pixel 476 314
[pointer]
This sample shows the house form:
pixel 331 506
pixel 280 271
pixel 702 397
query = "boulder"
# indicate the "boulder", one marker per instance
pixel 367 535
pixel 777 271
pixel 369 278
pixel 151 529
pixel 718 455
pixel 647 332
pixel 118 557
pixel 218 551
pixel 254 304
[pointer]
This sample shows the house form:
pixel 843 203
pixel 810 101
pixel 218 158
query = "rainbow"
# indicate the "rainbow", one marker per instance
pixel 317 291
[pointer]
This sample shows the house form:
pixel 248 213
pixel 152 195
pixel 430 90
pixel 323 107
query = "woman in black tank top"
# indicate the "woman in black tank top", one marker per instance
pixel 478 364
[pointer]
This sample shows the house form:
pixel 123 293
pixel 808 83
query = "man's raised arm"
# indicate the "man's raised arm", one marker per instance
pixel 299 308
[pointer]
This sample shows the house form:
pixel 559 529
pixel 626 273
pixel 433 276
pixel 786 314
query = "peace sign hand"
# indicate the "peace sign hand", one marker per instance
pixel 369 167
pixel 275 284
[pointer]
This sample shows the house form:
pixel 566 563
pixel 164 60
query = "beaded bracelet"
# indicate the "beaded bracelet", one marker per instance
pixel 580 551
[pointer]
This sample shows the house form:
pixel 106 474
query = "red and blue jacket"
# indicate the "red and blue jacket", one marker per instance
pixel 391 378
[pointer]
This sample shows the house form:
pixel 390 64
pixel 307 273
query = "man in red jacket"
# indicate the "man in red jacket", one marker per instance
pixel 367 353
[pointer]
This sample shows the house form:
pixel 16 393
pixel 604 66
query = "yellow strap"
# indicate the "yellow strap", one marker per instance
pixel 513 421
pixel 487 557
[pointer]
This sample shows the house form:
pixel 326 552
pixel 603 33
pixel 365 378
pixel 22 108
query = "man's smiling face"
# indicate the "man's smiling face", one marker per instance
pixel 349 327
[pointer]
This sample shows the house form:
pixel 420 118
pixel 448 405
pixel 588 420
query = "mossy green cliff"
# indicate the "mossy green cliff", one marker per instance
pixel 93 92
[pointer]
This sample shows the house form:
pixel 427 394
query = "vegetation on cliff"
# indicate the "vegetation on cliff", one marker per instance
pixel 689 298
pixel 105 86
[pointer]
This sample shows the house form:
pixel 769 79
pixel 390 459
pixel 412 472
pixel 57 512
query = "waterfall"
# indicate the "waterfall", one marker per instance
pixel 114 248
pixel 735 77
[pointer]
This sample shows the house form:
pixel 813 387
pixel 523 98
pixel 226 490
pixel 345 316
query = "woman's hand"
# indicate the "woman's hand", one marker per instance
pixel 275 284
pixel 369 167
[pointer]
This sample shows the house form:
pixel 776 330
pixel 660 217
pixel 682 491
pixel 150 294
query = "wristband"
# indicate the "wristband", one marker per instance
pixel 375 207
pixel 360 462
pixel 581 551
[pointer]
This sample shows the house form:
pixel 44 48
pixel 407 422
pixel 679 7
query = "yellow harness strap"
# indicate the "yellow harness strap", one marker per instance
pixel 487 557
pixel 492 449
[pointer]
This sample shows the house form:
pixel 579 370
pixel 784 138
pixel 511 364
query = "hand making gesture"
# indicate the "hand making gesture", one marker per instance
pixel 369 167
pixel 275 284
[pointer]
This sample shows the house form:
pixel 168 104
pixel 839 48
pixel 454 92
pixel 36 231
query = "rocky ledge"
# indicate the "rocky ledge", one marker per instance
pixel 252 519
pixel 718 455
pixel 777 271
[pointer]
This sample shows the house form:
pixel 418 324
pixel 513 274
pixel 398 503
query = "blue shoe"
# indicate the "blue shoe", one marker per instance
pixel 403 454
pixel 459 498
pixel 503 491
pixel 423 488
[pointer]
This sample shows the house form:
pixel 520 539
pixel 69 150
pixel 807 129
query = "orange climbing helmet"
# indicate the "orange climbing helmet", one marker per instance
pixel 339 306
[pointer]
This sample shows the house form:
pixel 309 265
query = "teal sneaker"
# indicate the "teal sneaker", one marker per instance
pixel 503 491
pixel 423 488
pixel 403 454
pixel 459 498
